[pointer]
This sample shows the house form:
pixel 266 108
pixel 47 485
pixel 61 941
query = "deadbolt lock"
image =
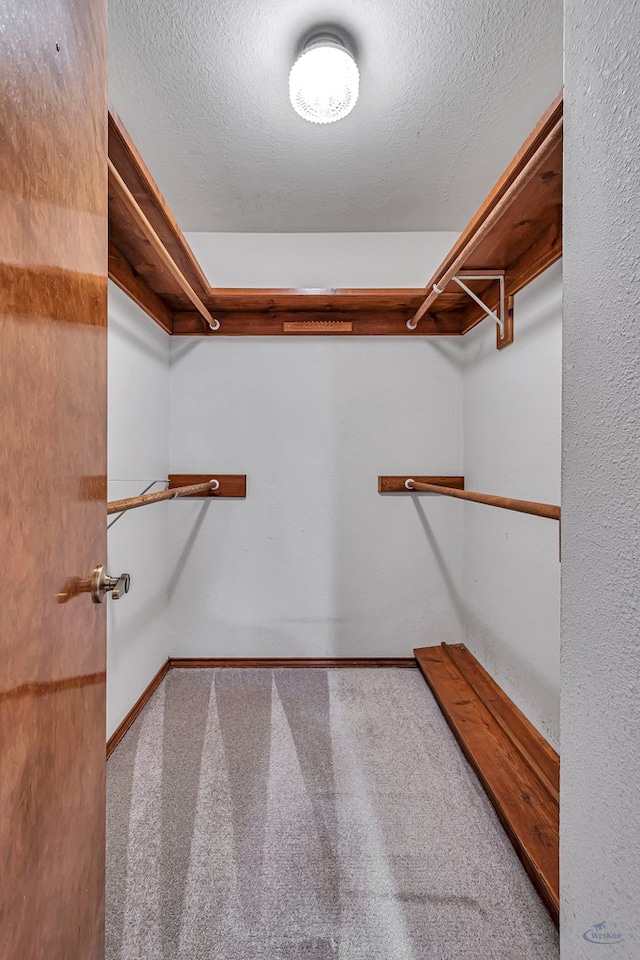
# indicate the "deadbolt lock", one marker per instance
pixel 102 584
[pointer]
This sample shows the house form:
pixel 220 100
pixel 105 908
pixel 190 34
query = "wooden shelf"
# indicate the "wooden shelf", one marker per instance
pixel 125 236
pixel 265 312
pixel 517 230
pixel 142 273
pixel 519 770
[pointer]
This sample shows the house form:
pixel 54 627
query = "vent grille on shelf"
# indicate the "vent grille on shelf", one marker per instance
pixel 317 326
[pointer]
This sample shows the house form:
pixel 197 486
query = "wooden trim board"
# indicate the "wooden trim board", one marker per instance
pixel 516 766
pixel 289 662
pixel 397 484
pixel 312 312
pixel 232 485
pixel 136 709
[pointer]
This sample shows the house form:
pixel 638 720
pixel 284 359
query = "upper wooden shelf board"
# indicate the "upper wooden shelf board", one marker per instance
pixel 359 312
pixel 516 233
pixel 125 235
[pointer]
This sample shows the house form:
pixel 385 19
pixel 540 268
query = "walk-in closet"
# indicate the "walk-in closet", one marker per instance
pixel 318 405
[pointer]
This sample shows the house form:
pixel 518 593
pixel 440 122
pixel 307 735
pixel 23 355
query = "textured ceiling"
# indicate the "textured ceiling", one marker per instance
pixel 449 89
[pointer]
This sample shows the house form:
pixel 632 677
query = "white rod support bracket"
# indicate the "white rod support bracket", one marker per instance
pixel 499 318
pixel 409 483
pixel 215 325
pixel 459 278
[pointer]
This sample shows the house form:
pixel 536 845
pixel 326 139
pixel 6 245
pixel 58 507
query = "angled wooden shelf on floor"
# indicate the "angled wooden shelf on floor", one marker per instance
pixel 517 767
pixel 517 231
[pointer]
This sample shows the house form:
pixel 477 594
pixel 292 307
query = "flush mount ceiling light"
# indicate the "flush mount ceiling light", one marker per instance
pixel 324 81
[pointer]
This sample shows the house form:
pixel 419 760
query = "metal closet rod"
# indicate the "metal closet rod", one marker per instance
pixel 549 510
pixel 119 506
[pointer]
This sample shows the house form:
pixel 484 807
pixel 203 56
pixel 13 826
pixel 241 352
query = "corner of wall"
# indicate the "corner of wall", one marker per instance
pixel 512 444
pixel 138 624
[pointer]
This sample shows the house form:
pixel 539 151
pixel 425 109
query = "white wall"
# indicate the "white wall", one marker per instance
pixel 138 624
pixel 512 421
pixel 315 562
pixel 320 259
pixel 600 819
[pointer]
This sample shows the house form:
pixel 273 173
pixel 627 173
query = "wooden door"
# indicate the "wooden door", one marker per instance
pixel 53 259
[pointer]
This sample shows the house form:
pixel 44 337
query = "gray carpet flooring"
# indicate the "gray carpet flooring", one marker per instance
pixel 306 814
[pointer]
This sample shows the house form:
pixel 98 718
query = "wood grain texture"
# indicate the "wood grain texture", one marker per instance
pixel 118 189
pixel 506 340
pixel 344 299
pixel 542 759
pixel 202 489
pixel 138 289
pixel 527 811
pixel 266 312
pixel 53 353
pixel 127 160
pixel 320 663
pixel 517 229
pixel 136 709
pixel 397 484
pixel 242 312
pixel 233 485
pixel 550 511
pixel 317 326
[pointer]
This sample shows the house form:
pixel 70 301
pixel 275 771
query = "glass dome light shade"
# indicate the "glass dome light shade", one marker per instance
pixel 324 81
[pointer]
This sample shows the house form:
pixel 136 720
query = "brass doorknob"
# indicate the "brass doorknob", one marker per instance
pixel 102 584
